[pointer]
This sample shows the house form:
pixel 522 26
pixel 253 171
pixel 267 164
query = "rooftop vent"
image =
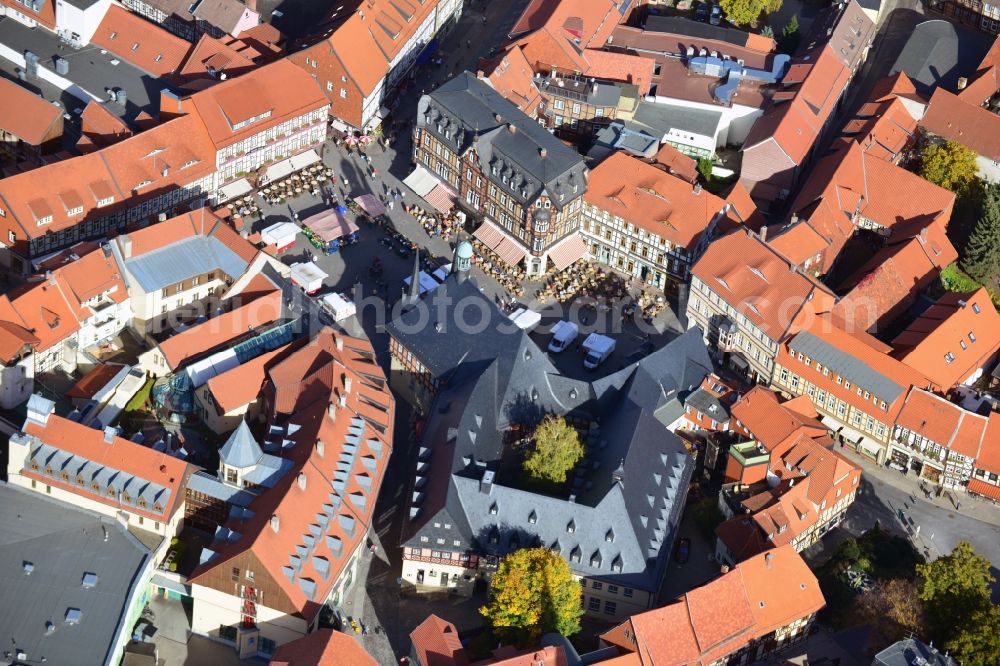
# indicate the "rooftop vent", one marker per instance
pixel 29 567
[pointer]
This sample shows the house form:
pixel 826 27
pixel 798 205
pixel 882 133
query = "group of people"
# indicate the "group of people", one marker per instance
pixel 435 224
pixel 583 279
pixel 511 278
pixel 307 181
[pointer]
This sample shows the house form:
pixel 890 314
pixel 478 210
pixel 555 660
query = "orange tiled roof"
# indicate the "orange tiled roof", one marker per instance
pixel 27 116
pixel 625 67
pixel 45 16
pixel 971 125
pixel 435 638
pixel 770 421
pixel 943 422
pixel 309 489
pixel 231 326
pixel 683 166
pixel 323 647
pixel 964 328
pixel 760 283
pixel 140 42
pixel 757 596
pixel 989 451
pixel 14 333
pixel 651 199
pixel 986 80
pixel 88 444
pixel 590 22
pixel 280 89
pixel 101 126
pixel 241 385
pixel 985 489
pixel 512 76
pixel 211 56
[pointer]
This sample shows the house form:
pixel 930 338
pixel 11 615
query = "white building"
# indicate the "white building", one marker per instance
pixel 77 20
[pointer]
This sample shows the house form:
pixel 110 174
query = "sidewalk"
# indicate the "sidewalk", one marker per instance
pixel 971 505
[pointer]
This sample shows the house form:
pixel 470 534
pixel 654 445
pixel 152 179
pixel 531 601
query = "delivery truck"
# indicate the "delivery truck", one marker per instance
pixel 563 333
pixel 598 347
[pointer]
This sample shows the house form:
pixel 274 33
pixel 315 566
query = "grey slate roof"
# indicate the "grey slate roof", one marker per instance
pixel 708 404
pixel 497 379
pixel 183 260
pixel 463 113
pixel 911 652
pixel 937 52
pixel 224 14
pixel 621 136
pixel 849 367
pixel 679 25
pixel 241 449
pixel 64 543
pixel 665 117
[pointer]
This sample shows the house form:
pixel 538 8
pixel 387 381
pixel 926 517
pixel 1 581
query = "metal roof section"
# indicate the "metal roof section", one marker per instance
pixel 845 365
pixel 68 576
pixel 184 260
pixel 241 449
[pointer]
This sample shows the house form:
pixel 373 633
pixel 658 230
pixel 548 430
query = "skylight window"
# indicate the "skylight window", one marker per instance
pixel 89 579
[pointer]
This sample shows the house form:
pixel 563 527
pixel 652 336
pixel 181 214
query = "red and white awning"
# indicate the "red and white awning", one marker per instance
pixel 568 251
pixel 510 251
pixel 441 198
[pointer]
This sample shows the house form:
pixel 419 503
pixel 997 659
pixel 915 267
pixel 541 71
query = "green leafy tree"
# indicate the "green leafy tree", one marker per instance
pixel 950 165
pixel 954 588
pixel 557 449
pixel 978 641
pixel 742 12
pixel 705 169
pixel 533 592
pixel 790 36
pixel 981 258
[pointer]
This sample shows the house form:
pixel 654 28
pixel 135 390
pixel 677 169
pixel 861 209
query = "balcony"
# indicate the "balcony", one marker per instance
pixel 467 563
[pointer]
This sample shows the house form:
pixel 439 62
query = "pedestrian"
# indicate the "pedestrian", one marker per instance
pixel 390 205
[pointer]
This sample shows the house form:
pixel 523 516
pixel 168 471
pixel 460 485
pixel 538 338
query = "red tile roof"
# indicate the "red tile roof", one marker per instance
pixel 590 22
pixel 27 116
pixel 989 451
pixel 759 595
pixel 46 16
pixel 241 385
pixel 943 422
pixel 760 283
pixel 94 381
pixel 964 328
pixel 280 89
pixel 683 166
pixel 140 42
pixel 512 76
pixel 309 489
pixel 651 199
pixel 890 281
pixel 230 327
pixel 88 444
pixel 211 56
pixel 435 642
pixel 971 125
pixel 101 127
pixel 772 422
pixel 323 647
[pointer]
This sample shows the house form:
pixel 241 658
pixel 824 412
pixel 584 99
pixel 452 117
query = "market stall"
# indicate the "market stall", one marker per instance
pixel 282 235
pixel 329 229
pixel 308 276
pixel 370 204
pixel 338 306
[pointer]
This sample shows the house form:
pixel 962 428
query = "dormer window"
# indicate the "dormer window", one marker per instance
pixel 96 487
pixel 493 509
pixel 142 502
pixel 571 526
pixel 34 465
pixel 79 480
pixel 610 536
pixel 532 517
pixel 158 507
pixel 972 336
pixel 111 491
pixel 64 476
pixel 975 308
pixel 48 469
pixel 949 358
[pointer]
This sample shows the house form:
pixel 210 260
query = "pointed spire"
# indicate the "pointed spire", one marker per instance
pixel 414 294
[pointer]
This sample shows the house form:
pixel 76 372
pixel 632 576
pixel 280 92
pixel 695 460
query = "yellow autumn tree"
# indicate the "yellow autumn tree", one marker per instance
pixel 532 593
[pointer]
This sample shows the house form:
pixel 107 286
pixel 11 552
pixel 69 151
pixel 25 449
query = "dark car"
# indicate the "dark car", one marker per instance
pixel 701 13
pixel 683 550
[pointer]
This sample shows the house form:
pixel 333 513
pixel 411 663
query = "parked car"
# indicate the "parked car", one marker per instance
pixel 683 550
pixel 716 17
pixel 701 13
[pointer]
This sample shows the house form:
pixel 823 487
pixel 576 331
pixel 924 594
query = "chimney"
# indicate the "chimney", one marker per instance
pixel 331 411
pixel 486 483
pixel 724 568
pixel 961 303
pixel 962 82
pixel 125 243
pixel 697 189
pixel 512 128
pixel 542 152
pixel 109 434
pixel 767 560
pixel 50 277
pixel 480 74
pixel 339 342
pixel 763 234
pixel 498 117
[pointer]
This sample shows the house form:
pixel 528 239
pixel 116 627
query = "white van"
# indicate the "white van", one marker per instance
pixel 598 347
pixel 563 333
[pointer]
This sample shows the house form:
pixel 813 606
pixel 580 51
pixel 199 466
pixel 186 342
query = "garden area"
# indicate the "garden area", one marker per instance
pixel 881 582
